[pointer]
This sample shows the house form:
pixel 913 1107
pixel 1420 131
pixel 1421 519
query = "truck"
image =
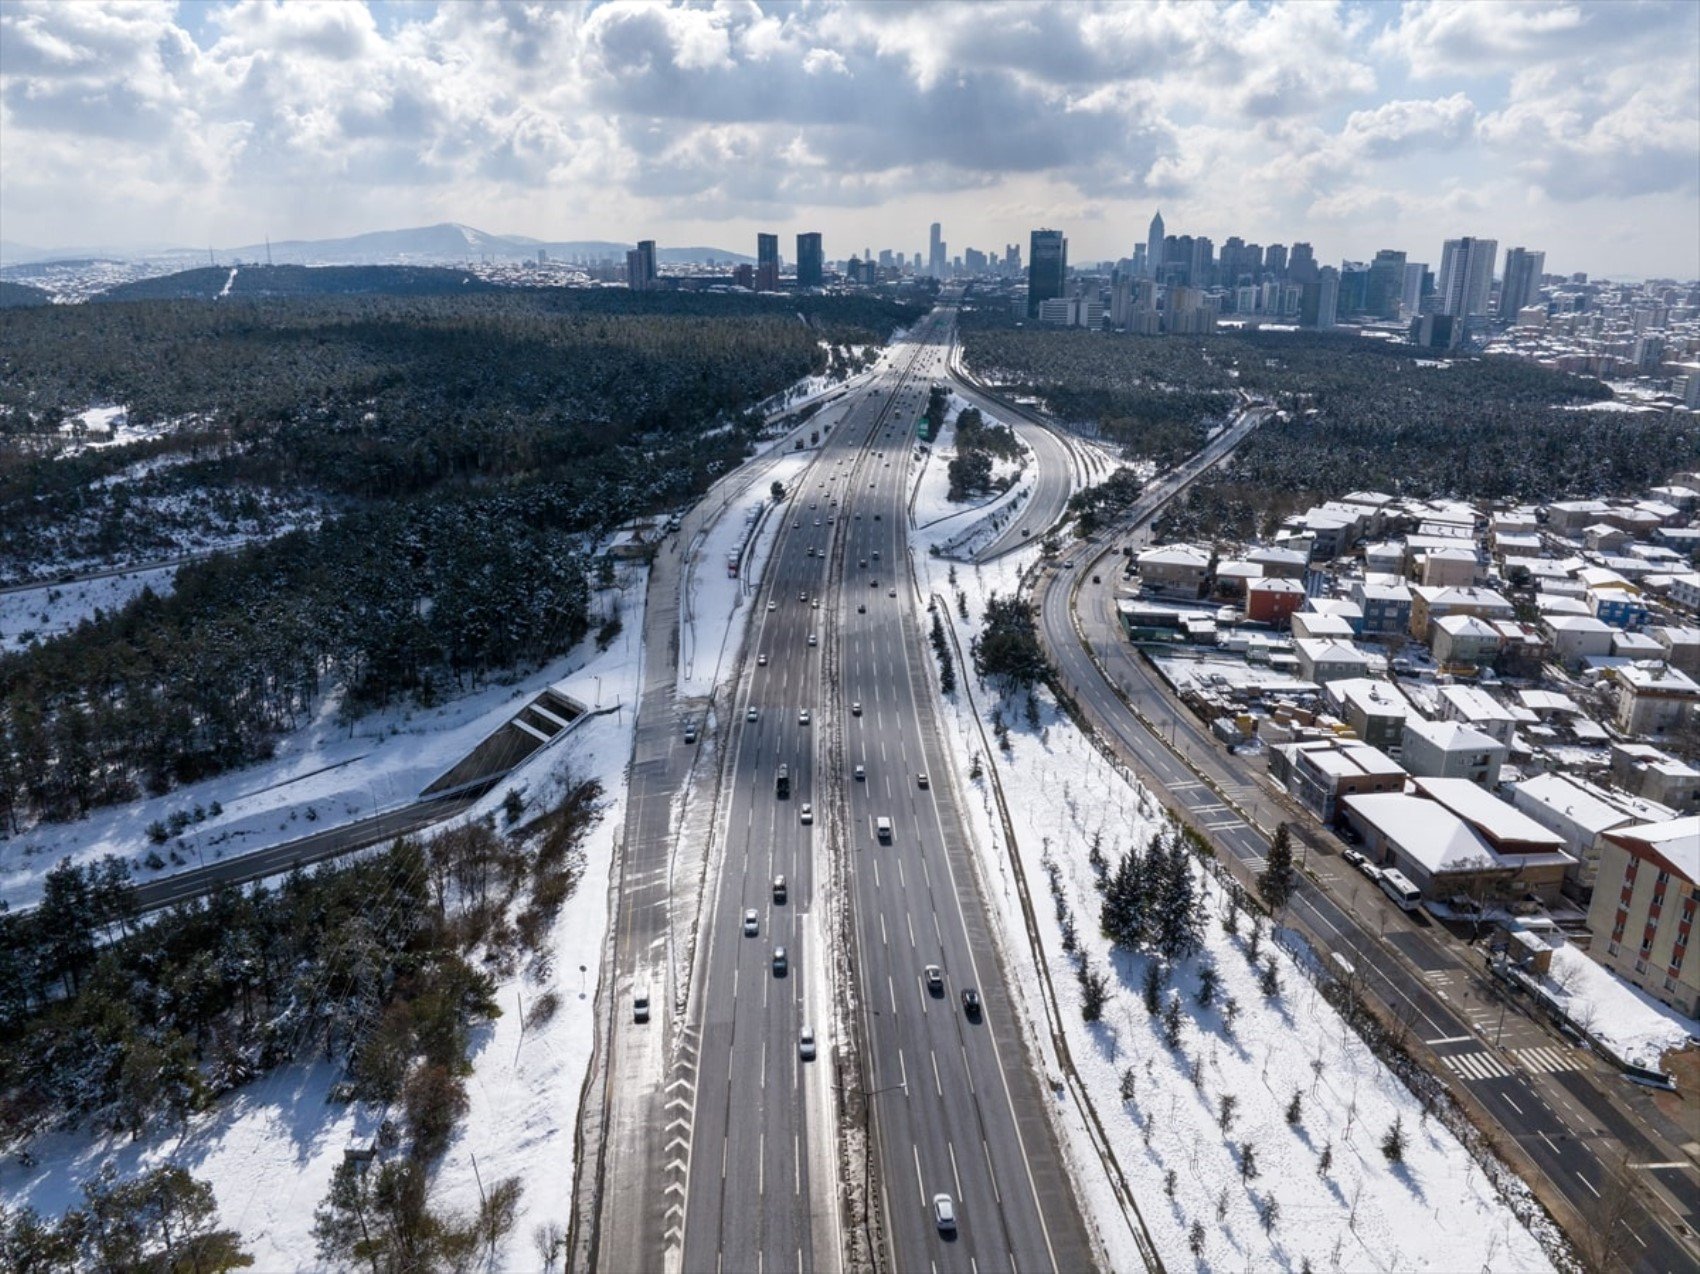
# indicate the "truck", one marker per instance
pixel 882 829
pixel 782 783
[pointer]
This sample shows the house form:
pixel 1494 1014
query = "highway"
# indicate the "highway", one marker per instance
pixel 727 1154
pixel 1561 1122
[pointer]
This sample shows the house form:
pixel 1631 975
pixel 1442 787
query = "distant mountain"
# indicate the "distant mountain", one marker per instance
pixel 248 281
pixel 15 295
pixel 451 242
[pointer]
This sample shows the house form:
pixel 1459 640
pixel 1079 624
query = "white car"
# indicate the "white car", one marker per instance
pixel 752 716
pixel 761 661
pixel 806 1044
pixel 812 640
pixel 944 1214
pixel 807 813
pixel 856 708
pixel 752 926
pixel 861 774
pixel 802 716
pixel 772 606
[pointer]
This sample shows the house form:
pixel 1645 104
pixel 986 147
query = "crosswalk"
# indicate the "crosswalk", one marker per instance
pixel 1481 1064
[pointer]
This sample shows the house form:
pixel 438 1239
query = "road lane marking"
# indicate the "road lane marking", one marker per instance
pixel 920 1186
pixel 955 1175
pixel 937 1086
pixel 1452 1039
pixel 991 1172
pixel 1587 1183
pixel 883 940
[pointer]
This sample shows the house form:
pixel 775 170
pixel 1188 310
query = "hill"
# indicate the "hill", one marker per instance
pixel 13 295
pixel 250 281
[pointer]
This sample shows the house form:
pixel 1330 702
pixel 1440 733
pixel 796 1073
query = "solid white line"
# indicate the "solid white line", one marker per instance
pixel 937 1086
pixel 1452 1039
pixel 955 1175
pixel 1588 1183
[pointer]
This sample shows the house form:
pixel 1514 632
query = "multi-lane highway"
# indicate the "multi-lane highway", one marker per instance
pixel 835 674
pixel 1562 1125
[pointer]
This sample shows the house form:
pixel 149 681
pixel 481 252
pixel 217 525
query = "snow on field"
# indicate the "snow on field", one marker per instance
pixel 100 427
pixel 53 609
pixel 1635 1025
pixel 1434 1211
pixel 270 1148
pixel 932 494
pixel 327 773
pixel 1186 673
pixel 711 597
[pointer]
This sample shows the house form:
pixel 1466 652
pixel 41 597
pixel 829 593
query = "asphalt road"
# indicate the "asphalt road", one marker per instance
pixel 953 1104
pixel 1542 1096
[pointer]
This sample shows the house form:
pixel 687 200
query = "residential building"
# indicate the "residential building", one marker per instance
pixel 1176 570
pixel 811 261
pixel 767 263
pixel 1322 624
pixel 1429 604
pixel 1451 750
pixel 1466 276
pixel 1522 284
pixel 1575 638
pixel 1463 641
pixel 1320 773
pixel 1449 567
pixel 1385 289
pixel 1374 709
pixel 1654 698
pixel 1644 908
pixel 1386 607
pixel 640 266
pixel 1681 646
pixel 1473 706
pixel 1047 268
pixel 1322 660
pixel 1273 600
pixel 1619 607
pixel 1656 776
pixel 1581 812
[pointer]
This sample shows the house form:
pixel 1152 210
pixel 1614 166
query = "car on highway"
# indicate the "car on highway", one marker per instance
pixel 944 1214
pixel 817 520
pixel 856 708
pixel 863 563
pixel 876 555
pixel 779 888
pixel 761 661
pixel 772 606
pixel 861 608
pixel 806 1043
pixel 873 583
pixel 752 926
pixel 922 781
pixel 935 980
pixel 807 813
pixel 640 1005
pixel 751 715
pixel 813 641
pixel 891 592
pixel 797 525
pixel 861 774
pixel 781 962
pixel 815 605
pixel 877 517
pixel 803 596
pixel 970 1000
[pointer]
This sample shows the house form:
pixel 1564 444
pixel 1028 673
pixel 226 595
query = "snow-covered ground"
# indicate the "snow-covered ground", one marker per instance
pixel 932 493
pixel 270 1149
pixel 745 528
pixel 52 609
pixel 1435 1211
pixel 327 773
pixel 1630 1021
pixel 1201 674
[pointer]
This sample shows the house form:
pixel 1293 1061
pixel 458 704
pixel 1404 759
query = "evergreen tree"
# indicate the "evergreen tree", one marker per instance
pixel 1275 883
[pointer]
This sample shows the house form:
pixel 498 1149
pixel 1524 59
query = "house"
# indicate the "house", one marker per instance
pixel 1570 516
pixel 1522 650
pixel 1681 646
pixel 1430 604
pixel 1449 567
pixel 1473 706
pixel 1580 813
pixel 1176 570
pixel 1322 660
pixel 1653 698
pixel 1232 577
pixel 1375 710
pixel 1386 607
pixel 1621 608
pixel 1344 607
pixel 1603 537
pixel 1272 599
pixel 1575 638
pixel 1280 563
pixel 1509 832
pixel 1385 558
pixel 1320 773
pixel 1636 646
pixel 1657 776
pixel 1463 641
pixel 1644 907
pixel 1450 750
pixel 1685 590
pixel 1310 623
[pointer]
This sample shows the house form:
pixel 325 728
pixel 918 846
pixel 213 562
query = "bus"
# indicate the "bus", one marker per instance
pixel 1400 890
pixel 782 783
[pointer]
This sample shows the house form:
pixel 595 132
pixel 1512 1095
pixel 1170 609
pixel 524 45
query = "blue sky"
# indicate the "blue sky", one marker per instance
pixel 1569 127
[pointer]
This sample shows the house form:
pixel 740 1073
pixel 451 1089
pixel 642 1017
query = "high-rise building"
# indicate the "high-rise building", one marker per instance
pixel 1466 276
pixel 1201 262
pixel 1384 289
pixel 1275 259
pixel 1154 246
pixel 1327 297
pixel 767 263
pixel 811 261
pixel 1411 295
pixel 974 261
pixel 1301 264
pixel 935 251
pixel 1047 268
pixel 1353 293
pixel 1522 285
pixel 640 266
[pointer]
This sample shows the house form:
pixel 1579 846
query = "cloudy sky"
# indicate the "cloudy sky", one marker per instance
pixel 1569 127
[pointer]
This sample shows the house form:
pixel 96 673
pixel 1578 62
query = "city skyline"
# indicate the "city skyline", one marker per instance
pixel 1575 127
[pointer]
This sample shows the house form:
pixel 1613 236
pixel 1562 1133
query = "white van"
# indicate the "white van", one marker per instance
pixel 1400 890
pixel 882 829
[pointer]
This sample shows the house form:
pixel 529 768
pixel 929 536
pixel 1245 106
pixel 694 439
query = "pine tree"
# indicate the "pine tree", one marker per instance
pixel 1275 883
pixel 1208 982
pixel 1152 988
pixel 1295 1108
pixel 1195 1238
pixel 1393 1144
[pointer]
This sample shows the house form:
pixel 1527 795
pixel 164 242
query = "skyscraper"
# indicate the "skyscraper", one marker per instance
pixel 640 266
pixel 1201 262
pixel 1301 263
pixel 1275 259
pixel 1320 302
pixel 1522 285
pixel 1412 300
pixel 1466 276
pixel 1154 246
pixel 935 252
pixel 1384 290
pixel 1047 267
pixel 767 263
pixel 811 262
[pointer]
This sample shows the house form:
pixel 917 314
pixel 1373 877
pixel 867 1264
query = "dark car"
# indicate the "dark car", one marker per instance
pixel 971 1003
